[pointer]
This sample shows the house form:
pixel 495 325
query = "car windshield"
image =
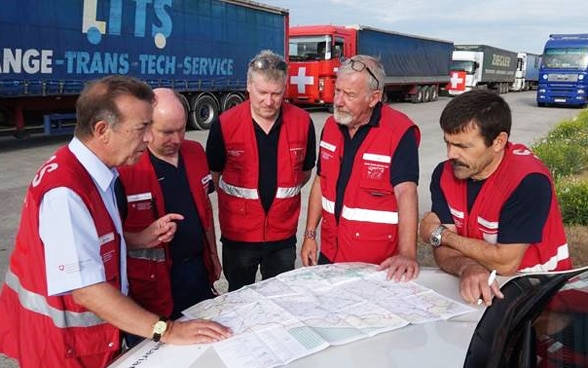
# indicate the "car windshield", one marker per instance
pixel 541 322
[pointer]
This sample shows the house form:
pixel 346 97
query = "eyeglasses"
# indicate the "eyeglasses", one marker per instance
pixel 263 64
pixel 360 66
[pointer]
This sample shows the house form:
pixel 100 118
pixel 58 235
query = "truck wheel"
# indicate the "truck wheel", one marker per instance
pixel 205 108
pixel 426 94
pixel 231 99
pixel 418 96
pixel 434 93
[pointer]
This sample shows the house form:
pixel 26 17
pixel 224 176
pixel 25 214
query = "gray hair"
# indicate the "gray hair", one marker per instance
pixel 372 67
pixel 270 65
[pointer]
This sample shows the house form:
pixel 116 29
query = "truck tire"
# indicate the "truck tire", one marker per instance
pixel 426 93
pixel 231 99
pixel 205 108
pixel 434 93
pixel 418 96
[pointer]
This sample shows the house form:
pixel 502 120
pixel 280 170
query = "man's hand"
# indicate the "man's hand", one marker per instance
pixel 473 285
pixel 160 231
pixel 197 331
pixel 308 253
pixel 400 268
pixel 429 223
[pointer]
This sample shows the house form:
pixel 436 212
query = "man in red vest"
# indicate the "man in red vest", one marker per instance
pixel 493 201
pixel 260 154
pixel 365 191
pixel 64 300
pixel 171 176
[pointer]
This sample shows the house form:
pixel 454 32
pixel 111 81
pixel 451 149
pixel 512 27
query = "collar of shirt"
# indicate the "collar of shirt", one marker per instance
pixel 273 129
pixel 102 175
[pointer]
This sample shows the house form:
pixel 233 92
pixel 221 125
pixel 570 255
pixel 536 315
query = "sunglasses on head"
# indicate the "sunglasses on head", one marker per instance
pixel 360 66
pixel 263 64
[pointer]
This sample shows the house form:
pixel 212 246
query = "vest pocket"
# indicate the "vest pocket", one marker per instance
pixel 146 282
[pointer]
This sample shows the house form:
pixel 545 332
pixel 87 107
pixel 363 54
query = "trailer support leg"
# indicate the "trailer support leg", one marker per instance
pixel 19 122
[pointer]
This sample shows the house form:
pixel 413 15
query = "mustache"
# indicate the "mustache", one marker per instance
pixel 456 164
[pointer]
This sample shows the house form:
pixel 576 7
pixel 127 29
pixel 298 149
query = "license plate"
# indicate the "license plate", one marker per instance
pixel 560 100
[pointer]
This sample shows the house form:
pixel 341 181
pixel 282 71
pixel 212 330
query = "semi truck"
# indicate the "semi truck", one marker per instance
pixel 481 66
pixel 563 75
pixel 415 66
pixel 49 49
pixel 527 72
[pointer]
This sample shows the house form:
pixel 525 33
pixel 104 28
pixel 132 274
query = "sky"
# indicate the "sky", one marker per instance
pixel 515 25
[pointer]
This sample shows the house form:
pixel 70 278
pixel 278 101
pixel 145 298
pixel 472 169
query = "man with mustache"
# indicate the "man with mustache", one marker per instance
pixel 493 201
pixel 365 191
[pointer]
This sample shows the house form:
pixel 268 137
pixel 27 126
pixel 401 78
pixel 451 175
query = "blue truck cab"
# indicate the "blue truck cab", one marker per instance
pixel 563 75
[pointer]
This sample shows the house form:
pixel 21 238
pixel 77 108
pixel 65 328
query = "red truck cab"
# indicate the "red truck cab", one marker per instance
pixel 315 54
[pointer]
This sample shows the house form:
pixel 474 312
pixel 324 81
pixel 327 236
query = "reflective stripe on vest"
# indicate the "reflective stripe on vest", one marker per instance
pixel 154 254
pixel 38 304
pixel 238 191
pixel 246 193
pixel 361 214
pixel 287 192
pixel 563 253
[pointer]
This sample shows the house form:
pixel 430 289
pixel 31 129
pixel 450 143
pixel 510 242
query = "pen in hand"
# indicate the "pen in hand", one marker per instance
pixel 491 280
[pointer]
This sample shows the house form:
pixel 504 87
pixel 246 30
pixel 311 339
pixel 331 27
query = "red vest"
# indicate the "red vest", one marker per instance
pixel 54 331
pixel 368 225
pixel 483 221
pixel 241 214
pixel 149 269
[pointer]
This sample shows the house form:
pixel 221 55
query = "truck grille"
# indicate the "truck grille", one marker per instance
pixel 562 77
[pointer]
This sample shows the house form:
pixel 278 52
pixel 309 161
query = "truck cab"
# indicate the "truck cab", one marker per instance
pixel 315 53
pixel 465 71
pixel 564 71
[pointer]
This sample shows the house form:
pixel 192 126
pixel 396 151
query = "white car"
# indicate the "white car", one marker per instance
pixel 541 322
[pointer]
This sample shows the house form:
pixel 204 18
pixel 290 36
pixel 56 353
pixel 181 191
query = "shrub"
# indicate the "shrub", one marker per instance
pixel 565 152
pixel 562 157
pixel 573 201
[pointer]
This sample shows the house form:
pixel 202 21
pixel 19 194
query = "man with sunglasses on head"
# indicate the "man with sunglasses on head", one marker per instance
pixel 365 190
pixel 260 154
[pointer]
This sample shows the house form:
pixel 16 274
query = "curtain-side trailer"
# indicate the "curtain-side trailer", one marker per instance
pixel 49 49
pixel 415 66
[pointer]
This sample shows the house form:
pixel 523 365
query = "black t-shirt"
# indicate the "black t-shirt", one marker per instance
pixel 188 241
pixel 523 215
pixel 267 150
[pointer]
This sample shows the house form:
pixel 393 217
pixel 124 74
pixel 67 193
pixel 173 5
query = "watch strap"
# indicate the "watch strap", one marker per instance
pixel 156 335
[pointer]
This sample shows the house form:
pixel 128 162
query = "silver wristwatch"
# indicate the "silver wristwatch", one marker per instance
pixel 435 238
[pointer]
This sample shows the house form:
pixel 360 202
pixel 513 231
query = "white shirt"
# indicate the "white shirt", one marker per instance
pixel 69 234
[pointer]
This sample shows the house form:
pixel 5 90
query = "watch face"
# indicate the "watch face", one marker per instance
pixel 160 327
pixel 435 239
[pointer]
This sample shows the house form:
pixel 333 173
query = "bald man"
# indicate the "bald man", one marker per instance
pixel 172 176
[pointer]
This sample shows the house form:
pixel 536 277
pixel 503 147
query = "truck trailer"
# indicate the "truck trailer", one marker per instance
pixel 527 73
pixel 49 49
pixel 415 66
pixel 563 75
pixel 481 66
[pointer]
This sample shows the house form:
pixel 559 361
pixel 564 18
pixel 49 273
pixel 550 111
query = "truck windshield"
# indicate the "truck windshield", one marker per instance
pixel 565 58
pixel 310 48
pixel 467 66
